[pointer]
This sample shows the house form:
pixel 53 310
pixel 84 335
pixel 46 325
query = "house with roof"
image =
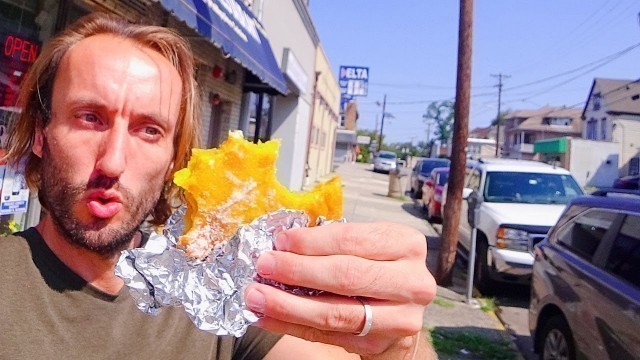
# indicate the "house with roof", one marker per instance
pixel 522 128
pixel 612 114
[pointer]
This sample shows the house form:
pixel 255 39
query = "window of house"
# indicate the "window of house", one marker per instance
pixel 603 129
pixel 529 138
pixel 583 235
pixel 596 101
pixel 624 258
pixel 592 130
pixel 557 121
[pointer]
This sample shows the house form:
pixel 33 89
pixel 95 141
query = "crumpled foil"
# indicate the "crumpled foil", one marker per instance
pixel 211 290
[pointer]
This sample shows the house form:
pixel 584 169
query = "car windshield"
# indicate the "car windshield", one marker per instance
pixel 429 165
pixel 387 156
pixel 532 188
pixel 442 179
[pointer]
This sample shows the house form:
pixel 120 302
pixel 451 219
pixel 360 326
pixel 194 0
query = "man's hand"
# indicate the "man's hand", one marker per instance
pixel 383 263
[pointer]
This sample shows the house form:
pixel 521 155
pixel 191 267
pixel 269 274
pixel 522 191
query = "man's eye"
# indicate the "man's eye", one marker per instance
pixel 151 131
pixel 88 117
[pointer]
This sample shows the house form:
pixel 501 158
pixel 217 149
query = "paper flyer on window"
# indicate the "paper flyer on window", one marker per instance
pixel 15 193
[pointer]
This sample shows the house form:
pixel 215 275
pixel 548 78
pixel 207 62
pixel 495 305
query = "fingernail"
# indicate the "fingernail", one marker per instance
pixel 282 243
pixel 255 301
pixel 266 264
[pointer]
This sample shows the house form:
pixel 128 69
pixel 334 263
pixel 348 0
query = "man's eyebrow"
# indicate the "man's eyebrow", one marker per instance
pixel 154 117
pixel 88 102
pixel 94 103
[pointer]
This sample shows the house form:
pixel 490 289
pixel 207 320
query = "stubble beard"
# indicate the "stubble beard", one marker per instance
pixel 99 236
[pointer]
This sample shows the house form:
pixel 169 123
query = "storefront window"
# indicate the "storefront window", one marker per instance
pixel 24 26
pixel 260 115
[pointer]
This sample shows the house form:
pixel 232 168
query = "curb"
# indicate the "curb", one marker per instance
pixel 506 335
pixel 499 325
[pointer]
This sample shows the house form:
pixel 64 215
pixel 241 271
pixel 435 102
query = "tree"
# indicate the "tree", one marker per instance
pixel 442 114
pixel 365 150
pixel 503 115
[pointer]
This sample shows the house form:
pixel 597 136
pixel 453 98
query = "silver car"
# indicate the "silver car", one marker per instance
pixel 385 161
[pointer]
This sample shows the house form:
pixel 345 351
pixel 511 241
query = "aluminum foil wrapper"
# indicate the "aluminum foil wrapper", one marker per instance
pixel 211 290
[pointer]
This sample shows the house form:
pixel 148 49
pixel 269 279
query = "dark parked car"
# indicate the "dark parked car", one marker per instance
pixel 421 172
pixel 627 182
pixel 585 295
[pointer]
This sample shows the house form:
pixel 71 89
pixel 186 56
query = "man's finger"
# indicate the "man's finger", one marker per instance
pixel 350 275
pixel 376 241
pixel 330 312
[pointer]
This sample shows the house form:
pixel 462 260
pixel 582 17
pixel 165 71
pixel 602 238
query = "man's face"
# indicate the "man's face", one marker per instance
pixel 108 147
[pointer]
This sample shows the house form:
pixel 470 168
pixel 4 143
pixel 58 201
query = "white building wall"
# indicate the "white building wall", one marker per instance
pixel 626 131
pixel 286 28
pixel 593 163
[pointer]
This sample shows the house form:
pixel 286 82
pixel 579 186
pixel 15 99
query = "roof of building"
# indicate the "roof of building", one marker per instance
pixel 620 96
pixel 534 119
pixel 480 133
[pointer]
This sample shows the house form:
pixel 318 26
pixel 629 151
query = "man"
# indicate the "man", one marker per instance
pixel 109 114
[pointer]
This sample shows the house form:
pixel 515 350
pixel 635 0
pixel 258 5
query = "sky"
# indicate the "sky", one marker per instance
pixel 551 50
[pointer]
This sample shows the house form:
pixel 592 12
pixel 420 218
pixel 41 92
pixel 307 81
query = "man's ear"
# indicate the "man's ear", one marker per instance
pixel 38 142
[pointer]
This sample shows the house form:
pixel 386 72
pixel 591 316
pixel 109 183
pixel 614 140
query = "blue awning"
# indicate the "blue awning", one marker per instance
pixel 233 28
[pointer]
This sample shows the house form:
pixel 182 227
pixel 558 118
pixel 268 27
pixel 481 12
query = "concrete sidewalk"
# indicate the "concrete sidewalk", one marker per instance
pixel 459 330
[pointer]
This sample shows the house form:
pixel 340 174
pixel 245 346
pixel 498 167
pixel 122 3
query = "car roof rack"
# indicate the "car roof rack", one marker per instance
pixel 612 191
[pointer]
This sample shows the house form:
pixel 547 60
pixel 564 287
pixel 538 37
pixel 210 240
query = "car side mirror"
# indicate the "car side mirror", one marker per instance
pixel 466 192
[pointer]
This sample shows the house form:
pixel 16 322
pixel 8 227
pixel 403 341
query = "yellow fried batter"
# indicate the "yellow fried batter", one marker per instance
pixel 235 184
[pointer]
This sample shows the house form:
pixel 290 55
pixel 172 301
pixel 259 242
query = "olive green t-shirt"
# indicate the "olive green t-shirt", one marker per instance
pixel 49 312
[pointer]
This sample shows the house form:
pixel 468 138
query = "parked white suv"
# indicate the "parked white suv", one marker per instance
pixel 517 202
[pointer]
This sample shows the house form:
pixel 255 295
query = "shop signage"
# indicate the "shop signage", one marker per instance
pixel 293 70
pixel 15 193
pixel 18 53
pixel 354 80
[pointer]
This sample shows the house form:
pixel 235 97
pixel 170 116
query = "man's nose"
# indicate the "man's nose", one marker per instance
pixel 112 159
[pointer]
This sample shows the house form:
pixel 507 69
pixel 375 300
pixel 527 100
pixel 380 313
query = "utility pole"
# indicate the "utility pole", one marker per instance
pixel 449 238
pixel 375 130
pixel 500 77
pixel 384 105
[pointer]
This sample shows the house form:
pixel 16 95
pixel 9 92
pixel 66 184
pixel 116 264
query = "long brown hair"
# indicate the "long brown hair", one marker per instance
pixel 36 93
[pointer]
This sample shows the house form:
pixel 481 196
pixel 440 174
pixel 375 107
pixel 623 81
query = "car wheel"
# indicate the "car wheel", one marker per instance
pixel 557 341
pixel 482 273
pixel 417 194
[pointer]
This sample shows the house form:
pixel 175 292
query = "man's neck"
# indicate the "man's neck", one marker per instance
pixel 96 269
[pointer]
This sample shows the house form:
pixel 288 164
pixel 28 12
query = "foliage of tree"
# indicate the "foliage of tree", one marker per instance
pixel 442 114
pixel 366 150
pixel 503 115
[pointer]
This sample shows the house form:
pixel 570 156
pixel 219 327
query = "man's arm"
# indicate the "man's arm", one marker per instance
pixel 293 348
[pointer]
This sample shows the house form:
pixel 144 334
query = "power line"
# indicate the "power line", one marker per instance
pixel 609 92
pixel 556 44
pixel 610 57
pixel 579 75
pixel 424 86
